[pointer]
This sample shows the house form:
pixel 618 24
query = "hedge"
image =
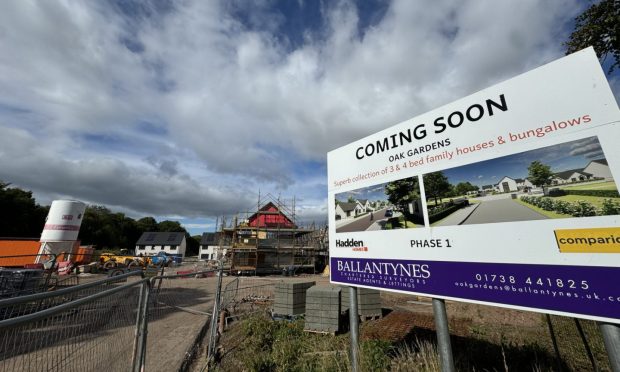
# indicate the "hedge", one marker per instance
pixel 599 193
pixel 436 217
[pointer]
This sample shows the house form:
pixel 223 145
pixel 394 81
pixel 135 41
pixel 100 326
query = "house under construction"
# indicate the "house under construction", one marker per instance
pixel 269 241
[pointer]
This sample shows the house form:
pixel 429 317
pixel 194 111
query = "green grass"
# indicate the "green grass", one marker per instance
pixel 399 223
pixel 609 185
pixel 257 343
pixel 549 214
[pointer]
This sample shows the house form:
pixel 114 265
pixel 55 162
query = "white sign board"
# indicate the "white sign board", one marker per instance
pixel 507 196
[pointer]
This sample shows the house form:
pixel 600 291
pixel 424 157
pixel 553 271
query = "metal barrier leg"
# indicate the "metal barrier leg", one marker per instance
pixel 611 338
pixel 443 335
pixel 214 315
pixel 139 355
pixel 354 331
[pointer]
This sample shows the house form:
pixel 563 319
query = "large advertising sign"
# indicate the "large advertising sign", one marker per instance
pixel 506 197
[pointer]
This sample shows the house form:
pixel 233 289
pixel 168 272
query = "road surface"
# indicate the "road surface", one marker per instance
pixel 362 223
pixel 502 210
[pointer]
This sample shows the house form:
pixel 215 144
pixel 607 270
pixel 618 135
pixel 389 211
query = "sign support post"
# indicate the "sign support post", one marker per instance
pixel 443 335
pixel 354 325
pixel 611 338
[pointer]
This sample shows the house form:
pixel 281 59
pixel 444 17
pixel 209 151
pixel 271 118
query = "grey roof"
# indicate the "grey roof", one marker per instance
pixel 210 238
pixel 347 207
pixel 362 201
pixel 519 180
pixel 600 161
pixel 487 187
pixel 565 174
pixel 161 238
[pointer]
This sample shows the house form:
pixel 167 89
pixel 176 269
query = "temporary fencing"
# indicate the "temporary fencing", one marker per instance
pixel 85 327
pixel 103 324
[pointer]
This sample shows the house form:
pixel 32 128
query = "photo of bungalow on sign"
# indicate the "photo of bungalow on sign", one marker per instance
pixel 566 180
pixel 386 206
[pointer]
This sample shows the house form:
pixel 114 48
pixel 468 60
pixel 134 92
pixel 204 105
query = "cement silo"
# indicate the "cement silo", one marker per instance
pixel 62 227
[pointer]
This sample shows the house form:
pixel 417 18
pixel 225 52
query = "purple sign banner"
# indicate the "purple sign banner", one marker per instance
pixel 582 291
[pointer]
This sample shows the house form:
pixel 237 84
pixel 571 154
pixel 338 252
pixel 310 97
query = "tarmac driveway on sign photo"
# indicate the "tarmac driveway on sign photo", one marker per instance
pixel 362 223
pixel 501 209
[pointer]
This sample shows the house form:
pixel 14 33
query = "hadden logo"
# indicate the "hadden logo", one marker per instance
pixel 349 243
pixel 357 245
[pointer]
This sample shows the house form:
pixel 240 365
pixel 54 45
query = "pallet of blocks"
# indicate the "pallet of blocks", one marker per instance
pixel 290 298
pixel 323 309
pixel 368 303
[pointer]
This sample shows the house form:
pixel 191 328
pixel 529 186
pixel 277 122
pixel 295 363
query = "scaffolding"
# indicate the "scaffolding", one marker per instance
pixel 269 240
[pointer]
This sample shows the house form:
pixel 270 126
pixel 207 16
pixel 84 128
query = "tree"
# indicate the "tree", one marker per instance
pixel 402 192
pixel 436 185
pixel 21 216
pixel 463 188
pixel 539 174
pixel 147 224
pixel 170 226
pixel 598 26
pixel 350 199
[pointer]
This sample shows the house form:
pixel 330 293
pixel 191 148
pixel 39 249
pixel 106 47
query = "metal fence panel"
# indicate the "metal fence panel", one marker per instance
pixel 85 333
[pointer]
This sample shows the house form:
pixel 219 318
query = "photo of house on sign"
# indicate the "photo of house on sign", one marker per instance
pixel 566 180
pixel 386 206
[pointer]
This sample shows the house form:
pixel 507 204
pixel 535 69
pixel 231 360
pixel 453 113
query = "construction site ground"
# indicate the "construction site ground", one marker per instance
pixel 173 335
pixel 495 335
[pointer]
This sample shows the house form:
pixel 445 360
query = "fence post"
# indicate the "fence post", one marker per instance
pixel 139 354
pixel 611 338
pixel 586 345
pixel 558 357
pixel 354 325
pixel 214 315
pixel 443 335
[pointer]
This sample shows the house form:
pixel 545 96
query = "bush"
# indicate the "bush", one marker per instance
pixel 599 193
pixel 583 209
pixel 610 208
pixel 562 207
pixel 546 204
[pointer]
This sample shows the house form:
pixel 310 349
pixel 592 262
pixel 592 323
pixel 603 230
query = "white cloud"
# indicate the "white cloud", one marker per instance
pixel 233 109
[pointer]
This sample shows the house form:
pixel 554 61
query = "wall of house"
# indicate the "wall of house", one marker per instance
pixel 270 220
pixel 152 250
pixel 512 184
pixel 599 170
pixel 209 252
pixel 343 214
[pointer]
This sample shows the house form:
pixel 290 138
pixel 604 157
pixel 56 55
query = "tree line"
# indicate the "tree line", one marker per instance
pixel 22 217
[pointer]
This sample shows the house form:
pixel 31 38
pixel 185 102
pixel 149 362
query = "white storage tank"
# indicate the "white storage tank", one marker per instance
pixel 63 221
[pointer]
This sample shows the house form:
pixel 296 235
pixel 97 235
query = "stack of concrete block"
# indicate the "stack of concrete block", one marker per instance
pixel 368 302
pixel 290 298
pixel 323 309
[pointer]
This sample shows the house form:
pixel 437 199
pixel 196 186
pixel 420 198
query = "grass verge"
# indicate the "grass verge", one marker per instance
pixel 609 185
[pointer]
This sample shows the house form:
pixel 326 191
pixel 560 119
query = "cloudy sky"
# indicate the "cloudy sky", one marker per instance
pixel 187 109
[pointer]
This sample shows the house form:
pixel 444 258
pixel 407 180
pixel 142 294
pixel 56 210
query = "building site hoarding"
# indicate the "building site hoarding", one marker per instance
pixel 508 196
